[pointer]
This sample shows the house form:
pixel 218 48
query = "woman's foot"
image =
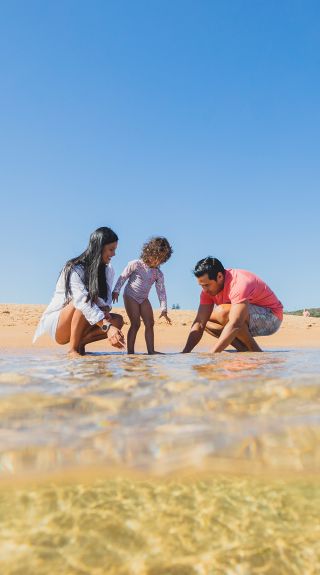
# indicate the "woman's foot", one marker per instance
pixel 73 354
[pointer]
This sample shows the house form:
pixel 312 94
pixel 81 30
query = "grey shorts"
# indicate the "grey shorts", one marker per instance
pixel 262 321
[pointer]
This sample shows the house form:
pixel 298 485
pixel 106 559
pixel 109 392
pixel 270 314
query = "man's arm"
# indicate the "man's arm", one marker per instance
pixel 238 316
pixel 197 329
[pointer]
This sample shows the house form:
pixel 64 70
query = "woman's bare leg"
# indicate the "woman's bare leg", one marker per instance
pixel 133 311
pixel 148 320
pixel 71 326
pixel 79 326
pixel 64 324
pixel 74 328
pixel 94 332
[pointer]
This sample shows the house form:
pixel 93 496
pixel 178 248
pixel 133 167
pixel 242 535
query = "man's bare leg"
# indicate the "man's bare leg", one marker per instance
pixel 220 316
pixel 246 338
pixel 215 330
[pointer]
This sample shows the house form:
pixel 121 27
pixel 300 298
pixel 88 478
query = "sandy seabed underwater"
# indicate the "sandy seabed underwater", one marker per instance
pixel 160 465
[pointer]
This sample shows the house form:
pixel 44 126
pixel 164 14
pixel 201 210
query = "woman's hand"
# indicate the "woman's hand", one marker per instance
pixel 166 317
pixel 115 296
pixel 116 337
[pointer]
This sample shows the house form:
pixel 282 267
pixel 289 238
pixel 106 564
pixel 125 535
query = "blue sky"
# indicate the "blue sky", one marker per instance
pixel 197 120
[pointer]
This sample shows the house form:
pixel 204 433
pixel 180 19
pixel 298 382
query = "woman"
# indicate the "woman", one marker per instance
pixel 79 312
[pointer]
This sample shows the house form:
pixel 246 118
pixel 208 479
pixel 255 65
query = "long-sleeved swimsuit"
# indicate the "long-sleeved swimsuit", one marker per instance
pixel 140 281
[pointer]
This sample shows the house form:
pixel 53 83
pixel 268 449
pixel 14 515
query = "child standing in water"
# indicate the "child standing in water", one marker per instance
pixel 141 275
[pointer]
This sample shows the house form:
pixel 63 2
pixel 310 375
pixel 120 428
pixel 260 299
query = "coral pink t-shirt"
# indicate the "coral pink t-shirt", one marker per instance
pixel 240 286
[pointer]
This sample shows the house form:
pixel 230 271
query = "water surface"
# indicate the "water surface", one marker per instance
pixel 161 413
pixel 163 465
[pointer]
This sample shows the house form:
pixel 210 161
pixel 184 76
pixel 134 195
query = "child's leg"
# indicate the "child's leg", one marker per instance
pixel 148 320
pixel 133 311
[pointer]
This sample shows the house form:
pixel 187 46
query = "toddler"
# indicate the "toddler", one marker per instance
pixel 141 275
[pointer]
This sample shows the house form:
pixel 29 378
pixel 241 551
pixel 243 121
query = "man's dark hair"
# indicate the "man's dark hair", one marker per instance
pixel 210 266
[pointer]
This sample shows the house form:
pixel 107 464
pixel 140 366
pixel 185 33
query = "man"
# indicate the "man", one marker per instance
pixel 245 307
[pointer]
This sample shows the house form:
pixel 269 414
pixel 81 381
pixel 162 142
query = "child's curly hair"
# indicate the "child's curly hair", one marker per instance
pixel 156 248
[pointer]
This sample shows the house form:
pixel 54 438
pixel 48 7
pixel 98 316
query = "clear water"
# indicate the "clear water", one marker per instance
pixel 160 414
pixel 163 465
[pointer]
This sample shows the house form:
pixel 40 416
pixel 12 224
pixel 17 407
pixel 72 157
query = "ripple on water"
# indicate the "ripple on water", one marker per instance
pixel 162 413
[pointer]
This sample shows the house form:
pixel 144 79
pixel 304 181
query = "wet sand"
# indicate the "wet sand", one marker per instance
pixel 18 323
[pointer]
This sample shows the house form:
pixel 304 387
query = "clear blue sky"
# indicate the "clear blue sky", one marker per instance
pixel 198 120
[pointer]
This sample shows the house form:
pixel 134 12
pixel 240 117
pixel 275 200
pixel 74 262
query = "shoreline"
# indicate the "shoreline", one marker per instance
pixel 18 323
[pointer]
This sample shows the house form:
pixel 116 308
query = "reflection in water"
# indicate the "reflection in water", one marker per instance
pixel 148 445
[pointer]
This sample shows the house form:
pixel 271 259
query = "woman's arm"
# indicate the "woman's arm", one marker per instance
pixel 90 310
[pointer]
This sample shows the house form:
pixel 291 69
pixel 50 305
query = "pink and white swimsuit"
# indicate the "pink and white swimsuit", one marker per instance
pixel 140 281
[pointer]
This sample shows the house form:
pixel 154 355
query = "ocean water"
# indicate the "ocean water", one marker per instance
pixel 163 465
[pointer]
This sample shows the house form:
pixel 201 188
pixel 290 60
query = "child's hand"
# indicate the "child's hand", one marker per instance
pixel 115 296
pixel 166 317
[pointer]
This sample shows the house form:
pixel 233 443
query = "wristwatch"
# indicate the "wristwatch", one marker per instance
pixel 105 326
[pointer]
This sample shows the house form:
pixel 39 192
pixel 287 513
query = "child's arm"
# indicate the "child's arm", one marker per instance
pixel 128 270
pixel 162 295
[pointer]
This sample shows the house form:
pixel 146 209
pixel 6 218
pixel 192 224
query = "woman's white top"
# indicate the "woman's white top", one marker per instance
pixel 91 311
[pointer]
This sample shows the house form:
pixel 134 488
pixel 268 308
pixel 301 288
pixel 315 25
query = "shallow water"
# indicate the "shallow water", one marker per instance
pixel 160 414
pixel 163 465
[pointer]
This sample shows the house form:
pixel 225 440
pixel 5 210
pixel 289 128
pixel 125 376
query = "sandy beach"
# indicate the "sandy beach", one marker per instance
pixel 18 323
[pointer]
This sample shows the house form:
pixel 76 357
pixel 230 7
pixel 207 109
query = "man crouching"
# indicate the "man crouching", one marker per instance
pixel 237 306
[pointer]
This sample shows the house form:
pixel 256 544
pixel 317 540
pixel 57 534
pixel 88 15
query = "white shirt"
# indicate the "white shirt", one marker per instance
pixel 90 310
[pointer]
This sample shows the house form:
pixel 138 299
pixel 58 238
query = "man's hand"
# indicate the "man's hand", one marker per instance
pixel 197 329
pixel 116 337
pixel 115 296
pixel 166 317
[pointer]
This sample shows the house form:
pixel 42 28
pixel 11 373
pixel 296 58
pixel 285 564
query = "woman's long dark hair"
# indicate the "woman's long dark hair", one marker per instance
pixel 93 267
